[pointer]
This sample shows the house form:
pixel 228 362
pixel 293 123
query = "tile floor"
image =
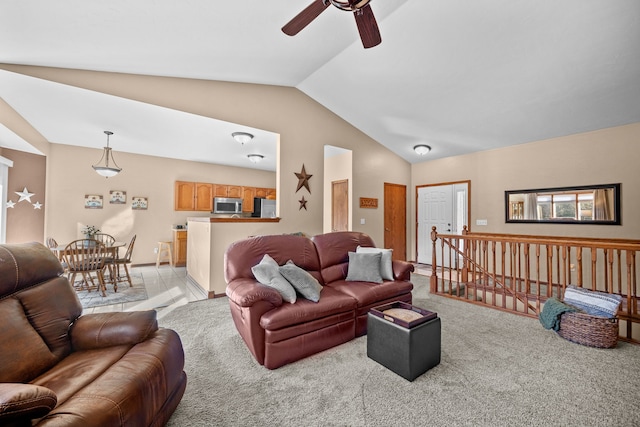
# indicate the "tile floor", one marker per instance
pixel 167 288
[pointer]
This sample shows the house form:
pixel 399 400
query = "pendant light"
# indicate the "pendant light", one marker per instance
pixel 104 169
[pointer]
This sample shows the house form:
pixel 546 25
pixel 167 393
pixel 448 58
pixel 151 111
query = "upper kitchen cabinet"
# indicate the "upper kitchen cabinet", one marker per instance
pixel 204 197
pixel 234 191
pixel 193 196
pixel 185 196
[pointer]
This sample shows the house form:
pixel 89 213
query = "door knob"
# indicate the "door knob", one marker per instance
pixel 386 229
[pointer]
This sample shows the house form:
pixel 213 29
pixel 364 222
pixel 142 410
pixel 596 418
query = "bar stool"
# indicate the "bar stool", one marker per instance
pixel 164 253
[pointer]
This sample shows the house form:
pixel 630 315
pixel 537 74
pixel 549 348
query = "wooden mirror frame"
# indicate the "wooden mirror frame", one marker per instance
pixel 514 210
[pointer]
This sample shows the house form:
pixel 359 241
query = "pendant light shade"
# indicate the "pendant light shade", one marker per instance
pixel 107 166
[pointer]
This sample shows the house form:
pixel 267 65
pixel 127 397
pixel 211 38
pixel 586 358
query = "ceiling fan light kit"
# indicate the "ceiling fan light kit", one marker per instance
pixel 421 149
pixel 361 9
pixel 103 169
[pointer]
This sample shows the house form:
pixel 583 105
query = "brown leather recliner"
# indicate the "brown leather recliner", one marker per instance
pixel 277 333
pixel 60 368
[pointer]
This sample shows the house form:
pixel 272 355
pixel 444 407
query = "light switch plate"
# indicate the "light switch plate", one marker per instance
pixel 481 222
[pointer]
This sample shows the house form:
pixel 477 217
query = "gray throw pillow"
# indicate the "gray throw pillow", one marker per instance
pixel 364 267
pixel 386 263
pixel 267 272
pixel 302 281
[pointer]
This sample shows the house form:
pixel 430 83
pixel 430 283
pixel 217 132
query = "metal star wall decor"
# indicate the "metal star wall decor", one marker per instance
pixel 303 204
pixel 24 195
pixel 37 205
pixel 303 179
pixel 11 204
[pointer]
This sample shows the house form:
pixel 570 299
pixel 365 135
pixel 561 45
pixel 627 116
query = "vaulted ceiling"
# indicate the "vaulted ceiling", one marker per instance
pixel 458 75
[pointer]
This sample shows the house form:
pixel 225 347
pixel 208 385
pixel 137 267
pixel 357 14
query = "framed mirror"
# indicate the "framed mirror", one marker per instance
pixel 589 204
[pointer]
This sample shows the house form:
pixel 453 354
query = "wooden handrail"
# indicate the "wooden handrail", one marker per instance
pixel 517 273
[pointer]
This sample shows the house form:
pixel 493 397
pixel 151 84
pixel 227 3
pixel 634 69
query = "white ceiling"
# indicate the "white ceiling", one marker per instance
pixel 458 75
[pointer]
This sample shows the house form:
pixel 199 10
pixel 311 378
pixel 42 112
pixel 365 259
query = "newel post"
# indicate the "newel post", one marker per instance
pixel 466 250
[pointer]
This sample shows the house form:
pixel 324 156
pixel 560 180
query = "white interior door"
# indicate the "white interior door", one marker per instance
pixel 442 206
pixel 435 208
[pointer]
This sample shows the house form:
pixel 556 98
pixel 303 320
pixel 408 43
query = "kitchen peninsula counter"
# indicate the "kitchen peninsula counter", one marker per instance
pixel 229 219
pixel 209 238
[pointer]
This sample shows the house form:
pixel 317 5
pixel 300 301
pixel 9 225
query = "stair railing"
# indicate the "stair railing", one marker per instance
pixel 518 273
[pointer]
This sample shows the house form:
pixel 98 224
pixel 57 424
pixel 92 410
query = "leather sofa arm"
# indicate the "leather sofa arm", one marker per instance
pixel 20 403
pixel 246 292
pixel 402 269
pixel 101 330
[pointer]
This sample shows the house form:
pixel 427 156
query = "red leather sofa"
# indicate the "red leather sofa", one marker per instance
pixel 58 367
pixel 278 333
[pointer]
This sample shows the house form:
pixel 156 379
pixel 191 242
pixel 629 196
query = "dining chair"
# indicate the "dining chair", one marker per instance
pixel 112 254
pixel 124 261
pixel 86 256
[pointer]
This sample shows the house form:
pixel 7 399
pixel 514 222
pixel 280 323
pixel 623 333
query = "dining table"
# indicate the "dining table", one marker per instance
pixel 112 249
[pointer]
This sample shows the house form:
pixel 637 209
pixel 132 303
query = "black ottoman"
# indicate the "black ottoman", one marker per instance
pixel 409 352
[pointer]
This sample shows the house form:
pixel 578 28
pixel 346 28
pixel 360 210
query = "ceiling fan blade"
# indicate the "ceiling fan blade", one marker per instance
pixel 367 27
pixel 305 17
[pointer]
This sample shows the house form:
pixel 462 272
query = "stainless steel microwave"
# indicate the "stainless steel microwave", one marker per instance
pixel 227 205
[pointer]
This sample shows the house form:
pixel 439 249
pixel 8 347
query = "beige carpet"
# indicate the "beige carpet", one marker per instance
pixel 497 369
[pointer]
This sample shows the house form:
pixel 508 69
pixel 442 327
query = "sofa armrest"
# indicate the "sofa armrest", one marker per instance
pixel 245 292
pixel 22 402
pixel 402 269
pixel 101 330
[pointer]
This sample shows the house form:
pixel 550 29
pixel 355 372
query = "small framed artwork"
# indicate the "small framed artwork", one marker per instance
pixel 117 197
pixel 139 203
pixel 92 201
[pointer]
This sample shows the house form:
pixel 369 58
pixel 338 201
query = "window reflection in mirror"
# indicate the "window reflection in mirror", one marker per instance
pixel 593 204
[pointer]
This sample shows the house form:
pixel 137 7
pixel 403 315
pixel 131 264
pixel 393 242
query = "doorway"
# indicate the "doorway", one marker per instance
pixel 444 206
pixel 337 170
pixel 340 205
pixel 395 219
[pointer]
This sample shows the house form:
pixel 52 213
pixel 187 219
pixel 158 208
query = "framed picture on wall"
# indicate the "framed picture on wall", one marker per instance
pixel 117 197
pixel 139 203
pixel 93 201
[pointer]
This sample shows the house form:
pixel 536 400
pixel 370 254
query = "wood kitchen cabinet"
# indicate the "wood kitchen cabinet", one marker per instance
pixel 179 248
pixel 185 196
pixel 198 196
pixel 248 193
pixel 193 196
pixel 234 191
pixel 204 197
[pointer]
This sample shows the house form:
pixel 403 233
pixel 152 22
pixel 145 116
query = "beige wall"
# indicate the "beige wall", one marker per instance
pixel 304 127
pixel 71 177
pixel 600 157
pixel 25 223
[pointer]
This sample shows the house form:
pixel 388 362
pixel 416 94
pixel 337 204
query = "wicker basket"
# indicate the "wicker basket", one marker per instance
pixel 592 331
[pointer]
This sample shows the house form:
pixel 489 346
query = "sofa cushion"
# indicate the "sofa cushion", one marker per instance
pixel 268 273
pixel 23 353
pixel 386 265
pixel 364 267
pixel 303 282
pixel 367 293
pixel 333 249
pixel 332 302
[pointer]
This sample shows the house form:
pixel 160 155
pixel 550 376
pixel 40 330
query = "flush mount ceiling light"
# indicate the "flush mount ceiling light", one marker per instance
pixel 255 158
pixel 421 149
pixel 107 166
pixel 242 137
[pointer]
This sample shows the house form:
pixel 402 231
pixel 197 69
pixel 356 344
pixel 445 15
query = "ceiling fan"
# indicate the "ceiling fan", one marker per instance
pixel 361 9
